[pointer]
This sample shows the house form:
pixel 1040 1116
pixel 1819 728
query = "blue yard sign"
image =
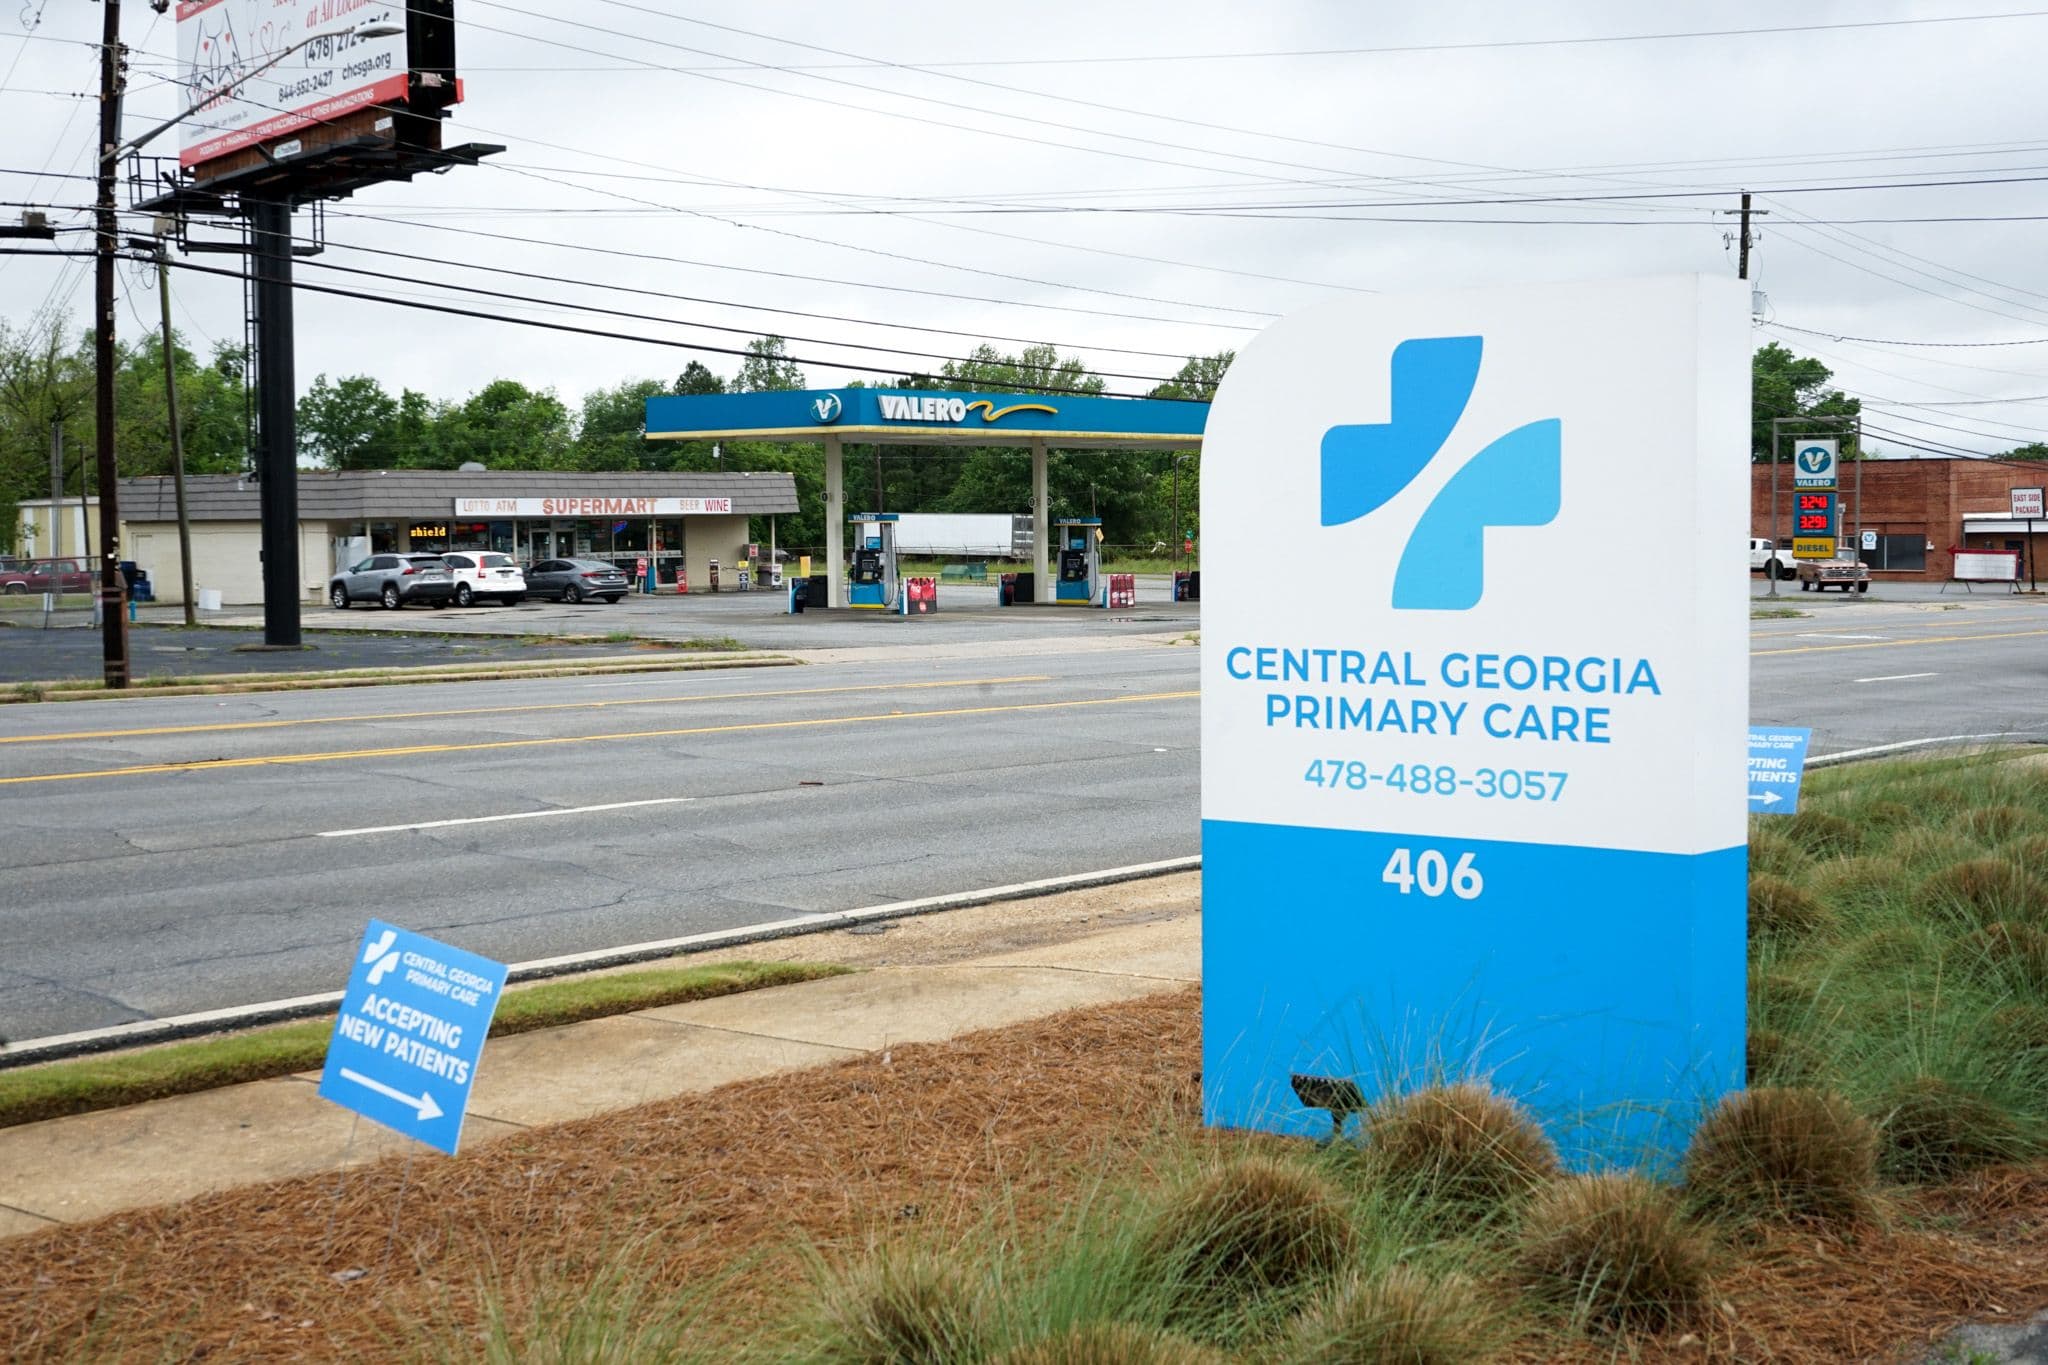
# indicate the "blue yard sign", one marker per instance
pixel 1777 760
pixel 411 1028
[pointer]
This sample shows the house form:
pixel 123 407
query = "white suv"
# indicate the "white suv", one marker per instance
pixel 485 574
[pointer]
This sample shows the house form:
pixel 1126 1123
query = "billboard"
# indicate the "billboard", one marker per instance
pixel 332 72
pixel 1456 821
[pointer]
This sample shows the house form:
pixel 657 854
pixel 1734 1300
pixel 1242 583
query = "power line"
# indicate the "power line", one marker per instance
pixel 452 311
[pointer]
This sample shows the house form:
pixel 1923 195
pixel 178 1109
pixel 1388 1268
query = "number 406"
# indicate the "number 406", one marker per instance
pixel 1433 874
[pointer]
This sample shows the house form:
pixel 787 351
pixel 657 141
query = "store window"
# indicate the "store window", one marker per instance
pixel 1905 553
pixel 383 537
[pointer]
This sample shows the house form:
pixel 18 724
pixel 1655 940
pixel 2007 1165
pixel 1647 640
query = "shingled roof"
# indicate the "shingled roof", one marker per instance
pixel 370 494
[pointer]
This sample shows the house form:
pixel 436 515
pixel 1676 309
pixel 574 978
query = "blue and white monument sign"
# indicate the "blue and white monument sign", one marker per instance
pixel 411 1028
pixel 1472 806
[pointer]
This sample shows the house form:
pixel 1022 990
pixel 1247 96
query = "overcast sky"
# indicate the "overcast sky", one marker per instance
pixel 877 182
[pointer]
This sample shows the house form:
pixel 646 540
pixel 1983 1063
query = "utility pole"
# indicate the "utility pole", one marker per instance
pixel 113 618
pixel 1744 239
pixel 57 487
pixel 163 289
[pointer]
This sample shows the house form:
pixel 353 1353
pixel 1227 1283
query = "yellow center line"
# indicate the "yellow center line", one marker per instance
pixel 1900 644
pixel 380 717
pixel 204 765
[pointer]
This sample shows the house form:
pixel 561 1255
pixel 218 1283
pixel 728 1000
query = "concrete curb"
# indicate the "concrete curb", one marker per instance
pixel 143 1032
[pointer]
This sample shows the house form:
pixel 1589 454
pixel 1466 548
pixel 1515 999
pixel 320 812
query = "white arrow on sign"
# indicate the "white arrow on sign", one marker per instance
pixel 1768 798
pixel 424 1103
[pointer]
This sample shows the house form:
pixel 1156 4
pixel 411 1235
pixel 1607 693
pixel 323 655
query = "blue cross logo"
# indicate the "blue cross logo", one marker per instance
pixel 1514 481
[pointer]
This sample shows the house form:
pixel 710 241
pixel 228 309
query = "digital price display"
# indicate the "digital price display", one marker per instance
pixel 1813 514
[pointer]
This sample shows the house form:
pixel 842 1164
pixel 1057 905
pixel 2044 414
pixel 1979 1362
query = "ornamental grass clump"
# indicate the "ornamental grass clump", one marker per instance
pixel 1933 1130
pixel 1110 1343
pixel 1823 833
pixel 1615 1251
pixel 1996 824
pixel 1782 909
pixel 1926 850
pixel 1980 891
pixel 1777 1057
pixel 1462 1147
pixel 897 1309
pixel 2015 955
pixel 1400 1315
pixel 1784 1153
pixel 1859 886
pixel 1772 852
pixel 1249 1227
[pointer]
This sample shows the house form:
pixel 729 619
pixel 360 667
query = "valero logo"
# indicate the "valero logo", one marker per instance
pixel 1816 459
pixel 826 410
pixel 1515 481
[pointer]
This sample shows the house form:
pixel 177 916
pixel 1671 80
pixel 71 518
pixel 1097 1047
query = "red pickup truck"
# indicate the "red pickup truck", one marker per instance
pixel 46 575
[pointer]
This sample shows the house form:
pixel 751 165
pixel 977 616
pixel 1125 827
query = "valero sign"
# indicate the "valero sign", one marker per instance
pixel 1458 824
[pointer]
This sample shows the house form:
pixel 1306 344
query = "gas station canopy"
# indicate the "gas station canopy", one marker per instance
pixel 928 417
pixel 910 417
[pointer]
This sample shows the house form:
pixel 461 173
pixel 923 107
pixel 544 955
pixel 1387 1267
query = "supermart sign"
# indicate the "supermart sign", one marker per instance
pixel 333 72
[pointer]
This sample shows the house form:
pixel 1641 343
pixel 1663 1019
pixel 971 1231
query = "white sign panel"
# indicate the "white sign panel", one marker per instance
pixel 332 72
pixel 2026 502
pixel 1814 463
pixel 593 507
pixel 1455 819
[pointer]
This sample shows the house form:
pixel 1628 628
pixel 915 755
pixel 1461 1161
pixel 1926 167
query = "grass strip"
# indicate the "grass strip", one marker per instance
pixel 56 1089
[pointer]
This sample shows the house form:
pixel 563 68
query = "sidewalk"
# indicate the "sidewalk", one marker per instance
pixel 922 980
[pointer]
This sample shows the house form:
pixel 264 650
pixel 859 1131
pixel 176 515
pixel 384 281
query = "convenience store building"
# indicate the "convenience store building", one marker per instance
pixel 680 521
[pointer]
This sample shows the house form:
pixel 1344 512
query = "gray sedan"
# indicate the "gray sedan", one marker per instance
pixel 574 580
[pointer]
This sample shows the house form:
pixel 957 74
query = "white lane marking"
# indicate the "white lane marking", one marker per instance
pixel 1898 677
pixel 1816 635
pixel 515 815
pixel 241 1016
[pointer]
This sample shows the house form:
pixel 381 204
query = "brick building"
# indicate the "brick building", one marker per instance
pixel 1920 511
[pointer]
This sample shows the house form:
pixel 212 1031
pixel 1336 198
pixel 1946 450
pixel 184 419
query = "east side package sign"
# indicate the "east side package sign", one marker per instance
pixel 410 1031
pixel 1466 813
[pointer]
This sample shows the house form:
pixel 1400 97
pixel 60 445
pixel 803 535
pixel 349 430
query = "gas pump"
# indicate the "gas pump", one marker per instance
pixel 872 581
pixel 1080 572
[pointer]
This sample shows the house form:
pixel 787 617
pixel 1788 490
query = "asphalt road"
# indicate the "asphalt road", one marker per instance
pixel 166 855
pixel 174 862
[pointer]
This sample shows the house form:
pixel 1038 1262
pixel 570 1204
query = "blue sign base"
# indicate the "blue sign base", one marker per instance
pixel 1603 989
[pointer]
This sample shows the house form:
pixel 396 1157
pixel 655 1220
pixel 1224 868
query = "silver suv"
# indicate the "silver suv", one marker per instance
pixel 394 580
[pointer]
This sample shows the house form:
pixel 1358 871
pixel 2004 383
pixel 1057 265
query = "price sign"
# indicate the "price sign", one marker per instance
pixel 1813 514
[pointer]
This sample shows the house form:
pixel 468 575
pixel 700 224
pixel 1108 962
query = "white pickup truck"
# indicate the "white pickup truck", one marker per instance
pixel 1773 561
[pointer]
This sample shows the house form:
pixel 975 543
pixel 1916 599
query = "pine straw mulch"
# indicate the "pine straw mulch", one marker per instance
pixel 723 1188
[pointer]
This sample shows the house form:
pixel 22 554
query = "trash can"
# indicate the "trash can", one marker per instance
pixel 137 579
pixel 799 595
pixel 1006 587
pixel 1023 588
pixel 820 594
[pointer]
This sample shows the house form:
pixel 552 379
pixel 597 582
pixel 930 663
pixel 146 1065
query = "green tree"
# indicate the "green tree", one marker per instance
pixel 352 424
pixel 2032 450
pixel 611 433
pixel 696 379
pixel 1198 378
pixel 767 368
pixel 504 425
pixel 1783 384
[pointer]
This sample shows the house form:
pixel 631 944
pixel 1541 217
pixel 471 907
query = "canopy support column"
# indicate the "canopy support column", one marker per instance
pixel 1041 525
pixel 835 524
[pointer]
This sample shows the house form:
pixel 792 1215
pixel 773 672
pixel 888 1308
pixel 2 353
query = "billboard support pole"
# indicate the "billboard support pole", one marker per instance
pixel 113 619
pixel 270 221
